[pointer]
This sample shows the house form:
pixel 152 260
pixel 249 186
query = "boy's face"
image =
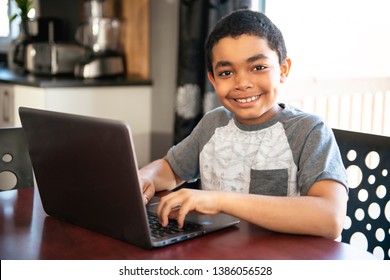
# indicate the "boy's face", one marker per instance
pixel 247 76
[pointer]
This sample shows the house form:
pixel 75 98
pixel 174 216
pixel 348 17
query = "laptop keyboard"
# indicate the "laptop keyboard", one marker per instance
pixel 157 230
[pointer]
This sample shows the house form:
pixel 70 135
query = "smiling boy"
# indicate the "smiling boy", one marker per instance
pixel 257 159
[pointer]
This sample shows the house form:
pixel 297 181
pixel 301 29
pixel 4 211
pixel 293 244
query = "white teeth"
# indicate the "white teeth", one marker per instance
pixel 245 100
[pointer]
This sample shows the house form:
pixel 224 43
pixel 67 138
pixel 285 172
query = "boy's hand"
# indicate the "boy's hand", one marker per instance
pixel 148 189
pixel 178 204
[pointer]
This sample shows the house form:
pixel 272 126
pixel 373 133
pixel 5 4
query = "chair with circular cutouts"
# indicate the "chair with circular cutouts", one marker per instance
pixel 15 165
pixel 367 160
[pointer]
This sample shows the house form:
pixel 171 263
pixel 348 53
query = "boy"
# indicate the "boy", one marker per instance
pixel 258 160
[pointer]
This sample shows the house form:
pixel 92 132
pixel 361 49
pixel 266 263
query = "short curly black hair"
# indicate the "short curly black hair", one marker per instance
pixel 245 22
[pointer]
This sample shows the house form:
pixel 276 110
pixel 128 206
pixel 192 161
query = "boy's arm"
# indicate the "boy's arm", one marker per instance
pixel 320 213
pixel 157 176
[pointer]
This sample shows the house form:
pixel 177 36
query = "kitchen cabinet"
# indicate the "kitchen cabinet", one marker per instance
pixel 130 104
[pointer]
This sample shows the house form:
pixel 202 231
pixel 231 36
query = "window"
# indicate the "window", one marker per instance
pixel 4 19
pixel 340 60
pixel 333 38
pixel 9 31
pixel 258 5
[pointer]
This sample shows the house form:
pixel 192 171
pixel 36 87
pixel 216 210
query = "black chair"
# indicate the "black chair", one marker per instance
pixel 367 160
pixel 15 165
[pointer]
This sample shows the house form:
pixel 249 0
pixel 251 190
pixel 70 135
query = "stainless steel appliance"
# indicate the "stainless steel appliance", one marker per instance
pixel 100 36
pixel 52 58
pixel 35 30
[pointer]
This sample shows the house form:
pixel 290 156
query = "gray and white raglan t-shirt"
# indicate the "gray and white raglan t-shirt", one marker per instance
pixel 284 156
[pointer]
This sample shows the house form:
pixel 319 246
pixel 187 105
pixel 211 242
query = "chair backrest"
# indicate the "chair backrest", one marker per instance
pixel 15 165
pixel 367 160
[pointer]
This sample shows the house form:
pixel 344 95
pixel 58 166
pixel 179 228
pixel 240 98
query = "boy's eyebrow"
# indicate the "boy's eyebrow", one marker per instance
pixel 223 63
pixel 257 57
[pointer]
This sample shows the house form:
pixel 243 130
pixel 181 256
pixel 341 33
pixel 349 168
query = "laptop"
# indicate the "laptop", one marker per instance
pixel 87 174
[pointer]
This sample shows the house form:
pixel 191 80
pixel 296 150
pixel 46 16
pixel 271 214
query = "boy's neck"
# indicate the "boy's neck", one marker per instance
pixel 270 114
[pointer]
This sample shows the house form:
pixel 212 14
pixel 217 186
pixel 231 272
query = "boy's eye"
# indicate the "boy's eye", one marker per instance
pixel 225 73
pixel 259 67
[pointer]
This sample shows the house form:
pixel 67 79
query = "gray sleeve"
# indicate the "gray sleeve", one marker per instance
pixel 184 157
pixel 319 158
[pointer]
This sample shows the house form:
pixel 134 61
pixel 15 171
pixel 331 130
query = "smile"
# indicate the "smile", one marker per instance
pixel 246 100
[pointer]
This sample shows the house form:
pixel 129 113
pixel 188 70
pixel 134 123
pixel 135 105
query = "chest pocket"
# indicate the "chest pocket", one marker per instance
pixel 269 182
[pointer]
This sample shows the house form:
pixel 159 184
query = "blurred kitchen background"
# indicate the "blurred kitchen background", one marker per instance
pixel 160 45
pixel 339 50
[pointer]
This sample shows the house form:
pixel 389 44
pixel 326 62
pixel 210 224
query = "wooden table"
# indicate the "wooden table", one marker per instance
pixel 26 232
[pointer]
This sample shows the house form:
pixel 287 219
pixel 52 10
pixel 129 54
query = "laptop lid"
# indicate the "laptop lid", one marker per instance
pixel 87 174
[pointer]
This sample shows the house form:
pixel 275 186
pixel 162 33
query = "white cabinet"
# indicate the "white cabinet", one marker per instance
pixel 130 104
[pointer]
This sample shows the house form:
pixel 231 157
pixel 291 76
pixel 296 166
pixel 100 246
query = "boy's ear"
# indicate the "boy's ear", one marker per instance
pixel 211 78
pixel 285 69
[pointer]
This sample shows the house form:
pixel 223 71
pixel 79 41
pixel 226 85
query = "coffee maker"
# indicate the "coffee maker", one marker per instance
pixel 100 36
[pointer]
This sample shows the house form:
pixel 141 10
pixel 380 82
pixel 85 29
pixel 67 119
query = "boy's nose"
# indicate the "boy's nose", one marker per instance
pixel 243 82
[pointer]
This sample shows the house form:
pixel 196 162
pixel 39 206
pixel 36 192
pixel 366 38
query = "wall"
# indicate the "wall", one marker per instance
pixel 70 12
pixel 164 33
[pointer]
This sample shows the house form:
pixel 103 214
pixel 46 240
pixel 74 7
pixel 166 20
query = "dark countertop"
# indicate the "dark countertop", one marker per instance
pixel 9 77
